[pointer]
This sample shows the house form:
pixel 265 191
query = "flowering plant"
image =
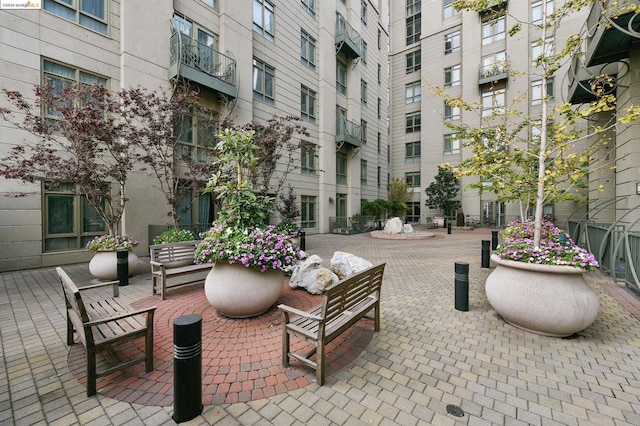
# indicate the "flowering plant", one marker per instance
pixel 112 243
pixel 173 236
pixel 556 247
pixel 257 248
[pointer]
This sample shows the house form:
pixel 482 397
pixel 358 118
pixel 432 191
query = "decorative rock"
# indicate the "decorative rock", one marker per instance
pixel 393 226
pixel 408 229
pixel 312 276
pixel 346 264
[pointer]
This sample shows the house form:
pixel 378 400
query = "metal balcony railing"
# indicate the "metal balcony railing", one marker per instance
pixel 349 132
pixel 348 40
pixel 493 72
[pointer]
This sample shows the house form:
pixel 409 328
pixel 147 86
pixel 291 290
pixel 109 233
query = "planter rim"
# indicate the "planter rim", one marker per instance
pixel 560 269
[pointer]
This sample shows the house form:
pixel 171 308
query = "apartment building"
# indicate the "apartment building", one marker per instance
pixel 464 52
pixel 325 62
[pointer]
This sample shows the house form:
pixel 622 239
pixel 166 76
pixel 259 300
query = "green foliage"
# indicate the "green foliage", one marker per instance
pixel 289 209
pixel 376 208
pixel 287 227
pixel 112 243
pixel 174 236
pixel 398 190
pixel 441 192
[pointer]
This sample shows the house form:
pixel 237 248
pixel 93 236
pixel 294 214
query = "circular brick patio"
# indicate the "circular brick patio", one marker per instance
pixel 241 358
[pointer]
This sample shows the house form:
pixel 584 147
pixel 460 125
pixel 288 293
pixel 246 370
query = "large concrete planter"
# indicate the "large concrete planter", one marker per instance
pixel 239 292
pixel 545 299
pixel 104 264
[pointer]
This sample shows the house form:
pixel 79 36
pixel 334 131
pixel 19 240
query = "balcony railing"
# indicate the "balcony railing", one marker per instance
pixel 348 40
pixel 200 63
pixel 348 132
pixel 491 73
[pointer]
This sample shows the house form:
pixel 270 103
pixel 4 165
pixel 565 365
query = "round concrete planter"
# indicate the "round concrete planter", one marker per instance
pixel 545 299
pixel 104 264
pixel 239 292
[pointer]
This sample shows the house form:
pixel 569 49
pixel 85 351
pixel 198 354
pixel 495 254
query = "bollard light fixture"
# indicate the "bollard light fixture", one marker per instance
pixel 638 188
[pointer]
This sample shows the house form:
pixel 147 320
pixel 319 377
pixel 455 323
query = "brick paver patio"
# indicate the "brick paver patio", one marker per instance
pixel 426 356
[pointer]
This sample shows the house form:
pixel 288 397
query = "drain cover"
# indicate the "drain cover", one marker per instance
pixel 455 410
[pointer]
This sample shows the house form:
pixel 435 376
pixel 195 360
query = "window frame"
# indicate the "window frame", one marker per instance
pixel 452 113
pixel 413 65
pixel 453 41
pixel 341 86
pixel 448 11
pixel 413 92
pixel 268 10
pixel 496 107
pixel 413 122
pixel 261 70
pixel 363 171
pixel 307 49
pixel 412 179
pixel 412 152
pixel 494 30
pixel 413 28
pixel 451 144
pixel 308 205
pixel 536 11
pixel 81 16
pixel 450 74
pixel 364 91
pixel 536 91
pixel 308 114
pixel 309 6
pixel 308 156
pixel 342 177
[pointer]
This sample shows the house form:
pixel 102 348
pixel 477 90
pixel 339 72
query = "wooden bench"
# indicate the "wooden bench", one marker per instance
pixel 173 260
pixel 344 304
pixel 104 323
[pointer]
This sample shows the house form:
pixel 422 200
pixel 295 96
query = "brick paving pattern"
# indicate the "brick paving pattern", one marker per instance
pixel 426 356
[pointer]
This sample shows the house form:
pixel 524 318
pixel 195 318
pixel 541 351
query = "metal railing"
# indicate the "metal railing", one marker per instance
pixel 352 225
pixel 188 51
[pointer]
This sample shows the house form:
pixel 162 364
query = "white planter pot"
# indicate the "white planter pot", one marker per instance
pixel 239 292
pixel 438 221
pixel 104 265
pixel 545 299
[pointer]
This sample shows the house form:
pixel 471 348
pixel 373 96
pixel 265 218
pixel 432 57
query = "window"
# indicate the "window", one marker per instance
pixel 308 104
pixel 263 82
pixel 363 11
pixel 341 77
pixel 493 30
pixel 452 76
pixel 310 6
pixel 414 61
pixel 414 28
pixel 412 179
pixel 379 39
pixel 379 142
pixel 264 19
pixel 308 211
pixel 195 137
pixel 363 52
pixel 341 168
pixel 536 11
pixel 363 131
pixel 211 3
pixel 413 7
pixel 308 156
pixel 61 76
pixel 413 214
pixel 451 42
pixel 413 92
pixel 69 221
pixel 448 9
pixel 494 64
pixel 413 120
pixel 307 49
pixel 363 92
pixel 451 112
pixel 412 152
pixel 379 108
pixel 537 50
pixel 451 145
pixel 363 171
pixel 90 14
pixel 493 102
pixel 194 207
pixel 536 91
pixel 379 74
pixel 378 178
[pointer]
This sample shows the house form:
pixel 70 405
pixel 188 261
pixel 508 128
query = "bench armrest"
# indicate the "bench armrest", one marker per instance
pixel 295 311
pixel 120 316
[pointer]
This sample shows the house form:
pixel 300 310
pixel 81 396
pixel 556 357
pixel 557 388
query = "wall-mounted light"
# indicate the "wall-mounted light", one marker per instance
pixel 331 200
pixel 638 188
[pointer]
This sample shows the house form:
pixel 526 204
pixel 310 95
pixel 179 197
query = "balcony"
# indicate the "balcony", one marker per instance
pixel 201 64
pixel 611 37
pixel 495 6
pixel 492 73
pixel 348 132
pixel 587 83
pixel 348 40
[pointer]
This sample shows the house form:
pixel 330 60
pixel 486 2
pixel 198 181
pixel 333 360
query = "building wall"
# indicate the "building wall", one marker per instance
pixel 135 52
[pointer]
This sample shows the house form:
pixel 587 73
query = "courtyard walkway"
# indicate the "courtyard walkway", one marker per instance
pixel 426 356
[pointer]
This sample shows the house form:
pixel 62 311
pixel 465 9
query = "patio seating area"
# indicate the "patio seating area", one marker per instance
pixel 426 357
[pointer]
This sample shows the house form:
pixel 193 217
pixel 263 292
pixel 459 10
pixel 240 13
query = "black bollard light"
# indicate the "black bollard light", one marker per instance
pixel 303 243
pixel 449 228
pixel 122 266
pixel 461 286
pixel 494 240
pixel 485 253
pixel 187 367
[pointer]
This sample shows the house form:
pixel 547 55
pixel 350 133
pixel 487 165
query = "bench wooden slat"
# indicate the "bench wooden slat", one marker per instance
pixel 101 324
pixel 344 304
pixel 162 255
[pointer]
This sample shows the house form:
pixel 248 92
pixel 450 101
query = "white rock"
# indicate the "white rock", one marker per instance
pixel 347 264
pixel 312 276
pixel 408 229
pixel 393 226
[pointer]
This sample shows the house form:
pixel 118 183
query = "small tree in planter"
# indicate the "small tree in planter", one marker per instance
pixel 442 191
pixel 398 196
pixel 81 134
pixel 289 212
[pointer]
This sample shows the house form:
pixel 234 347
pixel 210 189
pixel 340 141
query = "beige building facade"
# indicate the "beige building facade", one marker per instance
pixel 325 62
